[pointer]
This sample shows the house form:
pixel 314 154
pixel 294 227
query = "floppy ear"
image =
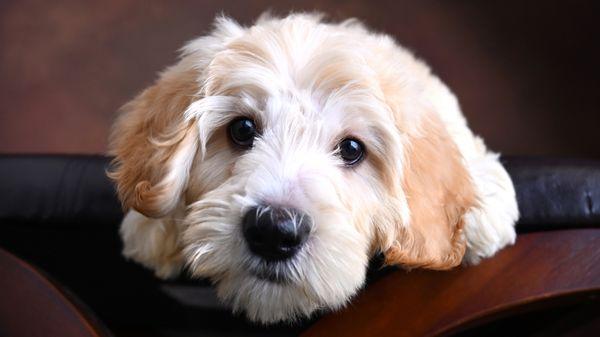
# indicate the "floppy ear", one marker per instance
pixel 154 146
pixel 439 192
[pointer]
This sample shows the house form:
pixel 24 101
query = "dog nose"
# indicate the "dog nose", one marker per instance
pixel 275 233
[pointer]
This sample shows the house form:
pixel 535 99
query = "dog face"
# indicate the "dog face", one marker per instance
pixel 281 157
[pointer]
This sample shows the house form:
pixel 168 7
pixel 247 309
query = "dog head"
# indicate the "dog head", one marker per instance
pixel 295 150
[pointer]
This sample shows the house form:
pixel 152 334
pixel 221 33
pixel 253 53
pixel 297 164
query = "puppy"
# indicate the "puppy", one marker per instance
pixel 277 159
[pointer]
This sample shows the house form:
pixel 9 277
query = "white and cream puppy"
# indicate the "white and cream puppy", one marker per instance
pixel 277 159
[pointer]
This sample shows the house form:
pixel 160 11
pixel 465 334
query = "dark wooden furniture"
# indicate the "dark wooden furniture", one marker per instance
pixel 541 270
pixel 31 305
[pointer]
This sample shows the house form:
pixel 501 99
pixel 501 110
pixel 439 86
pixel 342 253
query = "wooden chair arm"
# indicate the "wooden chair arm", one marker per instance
pixel 540 269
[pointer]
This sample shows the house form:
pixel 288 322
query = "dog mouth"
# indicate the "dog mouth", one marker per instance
pixel 271 271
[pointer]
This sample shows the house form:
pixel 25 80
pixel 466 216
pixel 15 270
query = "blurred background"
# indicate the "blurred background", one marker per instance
pixel 526 72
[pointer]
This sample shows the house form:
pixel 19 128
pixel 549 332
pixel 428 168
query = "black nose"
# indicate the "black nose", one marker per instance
pixel 274 233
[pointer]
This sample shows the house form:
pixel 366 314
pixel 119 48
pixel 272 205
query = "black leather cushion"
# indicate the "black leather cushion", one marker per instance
pixel 57 189
pixel 74 191
pixel 555 193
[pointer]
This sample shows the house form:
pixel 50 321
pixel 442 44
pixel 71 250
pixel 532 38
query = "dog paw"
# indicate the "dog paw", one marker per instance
pixel 490 226
pixel 153 243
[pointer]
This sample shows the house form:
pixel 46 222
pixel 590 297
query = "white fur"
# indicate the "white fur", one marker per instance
pixel 152 242
pixel 291 92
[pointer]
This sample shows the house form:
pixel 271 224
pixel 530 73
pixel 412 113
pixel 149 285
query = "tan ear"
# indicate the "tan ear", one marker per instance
pixel 439 192
pixel 154 146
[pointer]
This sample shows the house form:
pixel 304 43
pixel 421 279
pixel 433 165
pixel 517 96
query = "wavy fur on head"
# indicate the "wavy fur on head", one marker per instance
pixel 427 194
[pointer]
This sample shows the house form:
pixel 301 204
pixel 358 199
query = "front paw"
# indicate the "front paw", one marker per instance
pixel 152 243
pixel 486 234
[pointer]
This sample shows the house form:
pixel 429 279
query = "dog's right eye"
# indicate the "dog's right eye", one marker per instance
pixel 242 132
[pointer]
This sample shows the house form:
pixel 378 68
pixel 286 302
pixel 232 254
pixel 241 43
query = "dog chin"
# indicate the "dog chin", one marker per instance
pixel 271 271
pixel 265 301
pixel 268 293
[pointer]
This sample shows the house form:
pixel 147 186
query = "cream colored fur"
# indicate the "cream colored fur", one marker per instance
pixel 428 194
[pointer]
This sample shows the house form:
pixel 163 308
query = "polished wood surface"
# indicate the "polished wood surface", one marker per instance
pixel 31 305
pixel 540 269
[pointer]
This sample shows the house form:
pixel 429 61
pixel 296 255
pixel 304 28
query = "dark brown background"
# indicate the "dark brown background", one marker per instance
pixel 526 72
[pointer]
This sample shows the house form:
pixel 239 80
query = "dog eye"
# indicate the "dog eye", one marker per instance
pixel 351 151
pixel 242 131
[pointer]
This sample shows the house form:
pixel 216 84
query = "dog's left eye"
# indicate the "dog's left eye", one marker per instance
pixel 242 131
pixel 351 151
